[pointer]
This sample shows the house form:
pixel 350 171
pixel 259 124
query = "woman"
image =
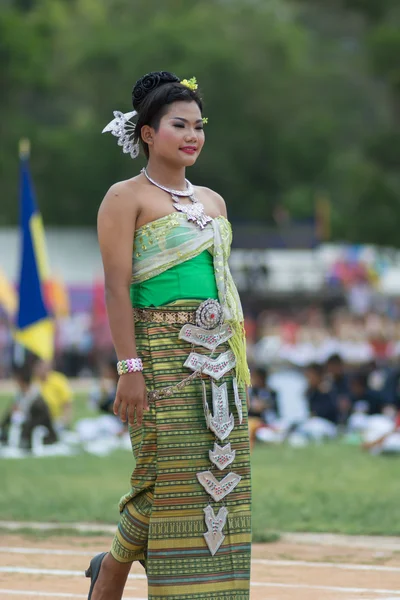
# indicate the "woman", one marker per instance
pixel 182 361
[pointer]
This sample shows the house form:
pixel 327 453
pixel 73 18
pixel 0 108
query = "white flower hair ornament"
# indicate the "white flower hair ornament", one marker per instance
pixel 123 128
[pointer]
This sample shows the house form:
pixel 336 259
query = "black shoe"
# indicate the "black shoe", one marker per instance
pixel 94 570
pixel 143 563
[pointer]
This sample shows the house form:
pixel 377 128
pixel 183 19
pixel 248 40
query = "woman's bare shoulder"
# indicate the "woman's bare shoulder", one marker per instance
pixel 124 198
pixel 215 198
pixel 122 192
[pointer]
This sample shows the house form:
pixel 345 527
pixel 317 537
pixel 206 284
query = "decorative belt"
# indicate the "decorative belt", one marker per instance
pixel 149 315
pixel 208 314
pixel 207 317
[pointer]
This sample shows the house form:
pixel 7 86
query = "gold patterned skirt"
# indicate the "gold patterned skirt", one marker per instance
pixel 187 516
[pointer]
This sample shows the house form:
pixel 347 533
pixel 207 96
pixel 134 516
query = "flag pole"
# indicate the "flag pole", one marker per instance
pixel 19 353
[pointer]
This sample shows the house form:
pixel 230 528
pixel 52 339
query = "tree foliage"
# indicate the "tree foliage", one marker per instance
pixel 302 98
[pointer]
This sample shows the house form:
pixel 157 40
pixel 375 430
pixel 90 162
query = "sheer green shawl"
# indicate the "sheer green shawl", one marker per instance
pixel 172 240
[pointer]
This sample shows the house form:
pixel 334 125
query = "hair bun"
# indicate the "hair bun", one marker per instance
pixel 148 83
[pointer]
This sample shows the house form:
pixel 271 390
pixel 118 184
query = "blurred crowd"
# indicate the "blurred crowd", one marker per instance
pixel 40 416
pixel 358 403
pixel 42 403
pixel 274 337
pixel 313 334
pixel 325 374
pixel 82 344
pixel 333 392
pixel 313 370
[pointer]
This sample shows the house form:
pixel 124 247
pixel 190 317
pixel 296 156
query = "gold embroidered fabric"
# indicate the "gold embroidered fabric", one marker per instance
pixel 149 315
pixel 172 240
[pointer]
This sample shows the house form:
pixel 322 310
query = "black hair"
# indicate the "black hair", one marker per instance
pixel 360 378
pixel 334 359
pixel 316 368
pixel 261 372
pixel 23 373
pixel 151 96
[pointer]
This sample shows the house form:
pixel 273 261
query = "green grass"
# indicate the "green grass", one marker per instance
pixel 326 488
pixel 81 407
pixel 329 488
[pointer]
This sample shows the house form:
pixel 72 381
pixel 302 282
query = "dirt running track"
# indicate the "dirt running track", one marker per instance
pixel 288 569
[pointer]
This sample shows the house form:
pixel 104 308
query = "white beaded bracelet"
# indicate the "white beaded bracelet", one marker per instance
pixel 130 365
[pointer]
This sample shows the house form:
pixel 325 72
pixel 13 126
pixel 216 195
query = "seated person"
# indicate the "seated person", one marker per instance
pixel 263 401
pixel 320 402
pixel 102 398
pixel 361 394
pixel 391 389
pixel 263 407
pixel 103 395
pixel 56 392
pixel 339 386
pixel 29 411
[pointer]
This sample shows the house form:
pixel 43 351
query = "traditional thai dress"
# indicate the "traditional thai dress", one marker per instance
pixel 187 515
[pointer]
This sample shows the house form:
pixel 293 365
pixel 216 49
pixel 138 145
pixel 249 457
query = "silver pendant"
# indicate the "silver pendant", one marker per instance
pixel 238 401
pixel 214 367
pixel 218 489
pixel 205 403
pixel 220 422
pixel 222 457
pixel 188 192
pixel 214 536
pixel 208 339
pixel 194 212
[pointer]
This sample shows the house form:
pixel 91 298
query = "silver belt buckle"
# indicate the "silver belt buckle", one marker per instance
pixel 209 314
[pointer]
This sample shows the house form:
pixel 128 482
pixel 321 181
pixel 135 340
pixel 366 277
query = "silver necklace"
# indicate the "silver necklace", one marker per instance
pixel 194 212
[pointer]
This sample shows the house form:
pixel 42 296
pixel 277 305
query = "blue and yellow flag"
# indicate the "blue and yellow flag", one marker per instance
pixel 34 326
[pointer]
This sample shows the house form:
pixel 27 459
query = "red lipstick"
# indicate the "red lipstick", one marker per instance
pixel 189 149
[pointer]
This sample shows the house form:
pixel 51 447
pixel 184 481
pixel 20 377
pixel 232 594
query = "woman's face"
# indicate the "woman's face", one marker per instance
pixel 180 136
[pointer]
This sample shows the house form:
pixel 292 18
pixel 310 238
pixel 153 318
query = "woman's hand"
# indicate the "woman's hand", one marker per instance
pixel 131 398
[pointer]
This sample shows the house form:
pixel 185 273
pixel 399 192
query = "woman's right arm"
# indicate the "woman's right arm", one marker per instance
pixel 116 227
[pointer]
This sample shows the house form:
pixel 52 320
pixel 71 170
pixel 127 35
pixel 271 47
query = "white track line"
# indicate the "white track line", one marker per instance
pixel 58 572
pixel 60 552
pixel 255 561
pixel 41 594
pixel 61 572
pixel 374 542
pixel 382 543
pixel 304 563
pixel 53 594
pixel 83 527
pixel 346 590
pixel 325 588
